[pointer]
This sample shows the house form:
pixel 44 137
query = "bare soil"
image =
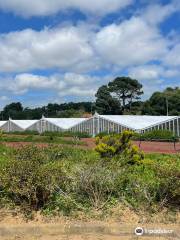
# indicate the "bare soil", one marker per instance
pixel 148 147
pixel 121 226
pixel 83 231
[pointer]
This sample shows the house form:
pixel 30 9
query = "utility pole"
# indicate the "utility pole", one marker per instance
pixel 167 106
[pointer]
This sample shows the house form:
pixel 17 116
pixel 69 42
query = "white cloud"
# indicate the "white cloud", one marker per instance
pixel 173 57
pixel 4 98
pixel 69 84
pixel 28 8
pixel 82 48
pixel 151 77
pixel 131 45
pixel 148 72
pixel 23 82
pixel 156 13
pixel 132 42
pixel 26 50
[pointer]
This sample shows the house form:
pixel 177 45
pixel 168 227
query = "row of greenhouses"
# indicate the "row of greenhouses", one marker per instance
pixel 95 124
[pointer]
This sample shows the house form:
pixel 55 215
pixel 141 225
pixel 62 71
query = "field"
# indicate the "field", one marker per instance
pixel 63 188
pixel 18 140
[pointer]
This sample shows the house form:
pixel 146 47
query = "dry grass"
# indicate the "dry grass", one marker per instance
pixel 120 226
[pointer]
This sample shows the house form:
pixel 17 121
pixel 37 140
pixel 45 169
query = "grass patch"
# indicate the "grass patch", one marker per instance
pixel 40 139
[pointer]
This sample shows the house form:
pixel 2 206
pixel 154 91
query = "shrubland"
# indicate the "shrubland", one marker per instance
pixel 69 181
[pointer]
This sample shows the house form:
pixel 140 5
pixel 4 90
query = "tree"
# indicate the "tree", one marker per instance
pixel 162 102
pixel 125 90
pixel 12 110
pixel 105 103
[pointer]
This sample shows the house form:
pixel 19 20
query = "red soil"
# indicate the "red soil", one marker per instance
pixel 148 147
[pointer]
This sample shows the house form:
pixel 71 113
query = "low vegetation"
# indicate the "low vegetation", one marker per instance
pixel 67 134
pixel 69 181
pixel 157 135
pixel 45 138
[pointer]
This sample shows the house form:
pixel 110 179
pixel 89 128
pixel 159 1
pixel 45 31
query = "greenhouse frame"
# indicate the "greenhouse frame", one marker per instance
pixel 95 124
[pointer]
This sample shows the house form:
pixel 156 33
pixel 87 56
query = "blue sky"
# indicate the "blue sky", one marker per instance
pixel 60 51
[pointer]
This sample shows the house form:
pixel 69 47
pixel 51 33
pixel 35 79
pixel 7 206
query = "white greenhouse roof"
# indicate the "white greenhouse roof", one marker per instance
pixel 137 122
pixel 2 123
pixel 65 123
pixel 24 124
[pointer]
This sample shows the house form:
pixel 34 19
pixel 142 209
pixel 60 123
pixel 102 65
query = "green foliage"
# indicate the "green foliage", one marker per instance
pixel 161 135
pixel 67 134
pixel 16 110
pixel 50 138
pixel 118 144
pixel 95 184
pixel 30 177
pixel 101 134
pixel 64 180
pixel 157 104
pixel 23 133
pixel 105 103
pixel 118 96
pixel 155 182
pixel 125 90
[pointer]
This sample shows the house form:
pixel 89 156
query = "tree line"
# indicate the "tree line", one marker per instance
pixel 120 96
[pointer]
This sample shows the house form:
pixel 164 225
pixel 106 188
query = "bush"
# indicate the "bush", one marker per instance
pixel 161 135
pixel 153 183
pixel 102 134
pixel 65 180
pixel 118 144
pixel 30 177
pixel 95 185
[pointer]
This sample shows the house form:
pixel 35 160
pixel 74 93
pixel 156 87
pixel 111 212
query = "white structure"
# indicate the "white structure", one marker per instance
pixel 4 126
pixel 59 124
pixel 22 125
pixel 96 124
pixel 118 123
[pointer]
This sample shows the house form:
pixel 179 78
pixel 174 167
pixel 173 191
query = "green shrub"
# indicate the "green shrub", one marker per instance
pixel 156 182
pixel 95 184
pixel 102 134
pixel 30 177
pixel 161 135
pixel 118 144
pixel 66 180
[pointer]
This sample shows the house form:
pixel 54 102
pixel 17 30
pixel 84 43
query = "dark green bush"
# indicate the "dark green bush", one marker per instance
pixel 161 135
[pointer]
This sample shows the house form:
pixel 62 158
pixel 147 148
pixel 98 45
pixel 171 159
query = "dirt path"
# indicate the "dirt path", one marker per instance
pixel 83 231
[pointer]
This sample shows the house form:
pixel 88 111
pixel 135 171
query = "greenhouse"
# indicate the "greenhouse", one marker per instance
pixel 96 124
pixel 4 126
pixel 119 123
pixel 22 125
pixel 59 124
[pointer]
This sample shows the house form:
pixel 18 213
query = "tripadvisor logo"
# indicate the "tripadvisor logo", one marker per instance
pixel 139 231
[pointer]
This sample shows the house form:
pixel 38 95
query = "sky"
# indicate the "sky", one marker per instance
pixel 61 51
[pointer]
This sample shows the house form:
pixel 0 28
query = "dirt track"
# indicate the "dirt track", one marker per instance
pixel 83 231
